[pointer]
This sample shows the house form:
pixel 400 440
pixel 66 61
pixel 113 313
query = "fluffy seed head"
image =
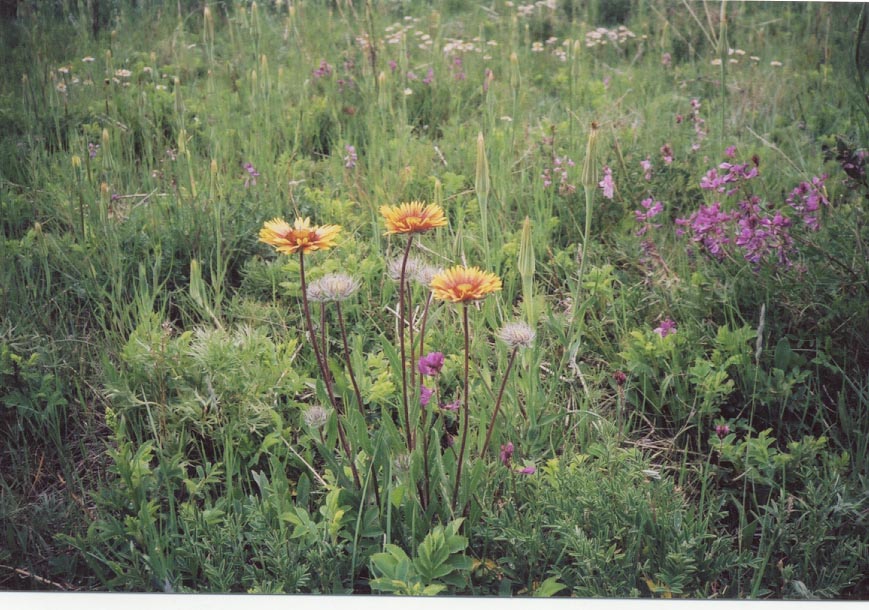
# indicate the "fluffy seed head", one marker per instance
pixel 316 416
pixel 333 287
pixel 517 334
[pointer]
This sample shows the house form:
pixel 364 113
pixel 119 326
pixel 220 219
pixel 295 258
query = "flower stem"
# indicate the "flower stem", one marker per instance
pixel 465 410
pixel 498 401
pixel 324 371
pixel 356 391
pixel 424 320
pixel 401 323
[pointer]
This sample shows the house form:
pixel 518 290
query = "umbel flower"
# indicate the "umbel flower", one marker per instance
pixel 413 217
pixel 301 236
pixel 333 287
pixel 463 284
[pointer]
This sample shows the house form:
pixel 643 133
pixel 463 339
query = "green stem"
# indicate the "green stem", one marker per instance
pixel 401 323
pixel 465 409
pixel 498 401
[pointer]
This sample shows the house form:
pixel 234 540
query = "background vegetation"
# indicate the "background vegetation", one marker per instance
pixel 695 404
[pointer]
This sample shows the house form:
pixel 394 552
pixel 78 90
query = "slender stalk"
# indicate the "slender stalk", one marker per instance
pixel 324 372
pixel 466 408
pixel 424 320
pixel 401 316
pixel 324 347
pixel 411 343
pixel 347 358
pixel 498 401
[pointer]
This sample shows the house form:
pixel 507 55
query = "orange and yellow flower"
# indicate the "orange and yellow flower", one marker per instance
pixel 413 217
pixel 299 237
pixel 462 284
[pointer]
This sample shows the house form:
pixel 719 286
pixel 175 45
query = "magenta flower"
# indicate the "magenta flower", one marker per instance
pixel 667 153
pixel 393 65
pixel 506 453
pixel 607 184
pixel 730 152
pixel 620 377
pixel 722 430
pixel 526 470
pixel 425 395
pixel 431 364
pixel 667 327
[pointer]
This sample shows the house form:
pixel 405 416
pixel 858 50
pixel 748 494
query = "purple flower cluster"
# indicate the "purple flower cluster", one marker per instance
pixel 730 179
pixel 559 171
pixel 667 154
pixel 92 150
pixel 759 230
pixel 761 235
pixel 806 199
pixel 652 209
pixel 431 364
pixel 708 227
pixel 458 70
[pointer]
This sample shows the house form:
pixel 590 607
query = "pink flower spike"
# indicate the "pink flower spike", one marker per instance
pixel 607 184
pixel 506 453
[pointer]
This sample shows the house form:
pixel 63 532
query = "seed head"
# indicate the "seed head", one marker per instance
pixel 316 417
pixel 517 334
pixel 333 287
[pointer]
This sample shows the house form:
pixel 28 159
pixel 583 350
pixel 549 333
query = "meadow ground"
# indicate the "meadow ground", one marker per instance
pixel 550 299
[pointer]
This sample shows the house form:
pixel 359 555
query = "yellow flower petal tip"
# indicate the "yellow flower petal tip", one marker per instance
pixel 301 236
pixel 413 217
pixel 463 284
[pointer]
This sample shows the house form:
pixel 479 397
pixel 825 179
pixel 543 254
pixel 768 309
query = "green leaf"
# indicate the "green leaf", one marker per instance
pixel 549 587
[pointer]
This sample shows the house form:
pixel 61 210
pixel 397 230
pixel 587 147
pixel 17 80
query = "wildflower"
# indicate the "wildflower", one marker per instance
pixel 730 152
pixel 429 77
pixel 431 364
pixel 425 395
pixel 506 453
pixel 252 175
pixel 324 70
pixel 88 59
pixel 299 237
pixel 527 470
pixel 393 65
pixel 667 327
pixel 350 158
pixel 620 378
pixel 646 164
pixel 316 417
pixel 666 59
pixel 517 334
pixel 412 267
pixel 667 153
pixel 413 217
pixel 722 430
pixel 775 64
pixel 333 287
pixel 122 73
pixel 462 284
pixel 607 184
pixel 807 199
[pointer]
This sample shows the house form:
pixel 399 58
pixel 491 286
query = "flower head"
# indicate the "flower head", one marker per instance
pixel 301 236
pixel 722 430
pixel 316 416
pixel 431 364
pixel 667 327
pixel 517 334
pixel 527 470
pixel 413 217
pixel 462 284
pixel 333 287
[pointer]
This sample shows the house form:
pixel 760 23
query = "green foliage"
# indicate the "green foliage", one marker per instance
pixel 438 564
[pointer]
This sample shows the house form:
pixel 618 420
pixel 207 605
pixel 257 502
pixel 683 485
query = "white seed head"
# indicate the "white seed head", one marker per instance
pixel 333 287
pixel 517 334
